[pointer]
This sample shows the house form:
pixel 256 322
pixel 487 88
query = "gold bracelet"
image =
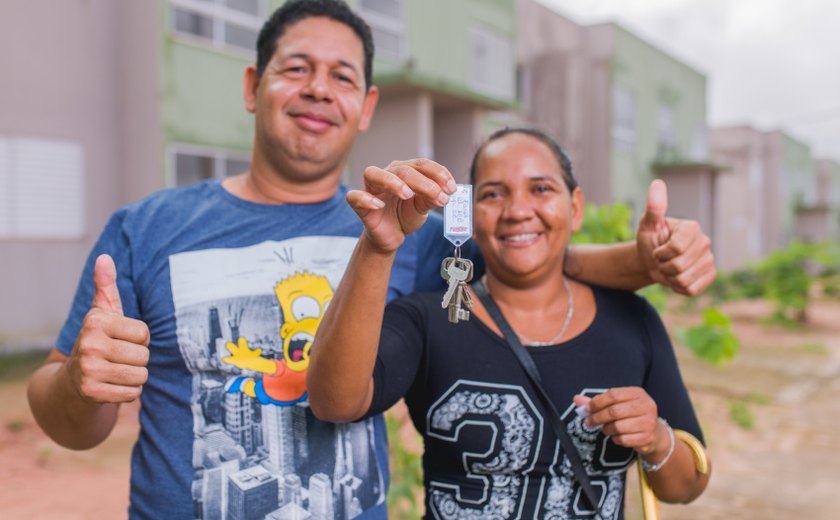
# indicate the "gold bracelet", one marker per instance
pixel 701 461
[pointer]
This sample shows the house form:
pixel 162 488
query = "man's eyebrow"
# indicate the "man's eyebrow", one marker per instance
pixel 540 179
pixel 489 183
pixel 304 56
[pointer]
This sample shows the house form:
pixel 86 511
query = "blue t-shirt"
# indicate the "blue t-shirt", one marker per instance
pixel 215 278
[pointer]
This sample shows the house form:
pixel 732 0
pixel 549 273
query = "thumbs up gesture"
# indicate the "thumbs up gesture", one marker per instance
pixel 108 361
pixel 675 252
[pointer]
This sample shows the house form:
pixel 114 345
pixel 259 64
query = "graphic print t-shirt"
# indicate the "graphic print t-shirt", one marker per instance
pixel 246 319
pixel 490 450
pixel 232 293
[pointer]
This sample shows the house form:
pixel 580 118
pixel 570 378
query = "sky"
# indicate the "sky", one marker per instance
pixel 772 64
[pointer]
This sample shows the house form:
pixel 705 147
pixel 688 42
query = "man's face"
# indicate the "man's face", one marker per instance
pixel 311 100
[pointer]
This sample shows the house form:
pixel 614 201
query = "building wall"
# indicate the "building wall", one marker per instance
pixel 790 172
pixel 139 91
pixel 828 194
pixel 457 135
pixel 779 174
pixel 656 80
pixel 439 46
pixel 401 129
pixel 739 219
pixel 430 103
pixel 64 65
pixel 563 71
pixel 568 76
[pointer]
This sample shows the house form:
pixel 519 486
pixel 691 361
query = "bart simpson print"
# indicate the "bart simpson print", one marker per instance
pixel 303 298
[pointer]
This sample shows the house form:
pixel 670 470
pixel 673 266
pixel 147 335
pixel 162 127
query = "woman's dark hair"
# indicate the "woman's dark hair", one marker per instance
pixel 294 11
pixel 554 146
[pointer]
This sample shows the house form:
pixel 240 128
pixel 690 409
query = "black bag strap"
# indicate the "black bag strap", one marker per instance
pixel 530 368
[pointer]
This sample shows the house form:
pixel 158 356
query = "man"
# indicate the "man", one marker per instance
pixel 203 301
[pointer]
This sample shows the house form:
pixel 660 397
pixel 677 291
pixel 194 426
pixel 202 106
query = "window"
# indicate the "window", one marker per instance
pixel 41 189
pixel 193 164
pixel 492 69
pixel 223 23
pixel 623 118
pixel 700 142
pixel 666 137
pixel 387 25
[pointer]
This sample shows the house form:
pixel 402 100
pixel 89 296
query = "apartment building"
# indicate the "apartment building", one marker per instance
pixel 622 107
pixel 106 102
pixel 772 181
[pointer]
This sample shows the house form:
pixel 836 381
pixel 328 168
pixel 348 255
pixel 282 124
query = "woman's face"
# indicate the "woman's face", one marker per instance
pixel 524 213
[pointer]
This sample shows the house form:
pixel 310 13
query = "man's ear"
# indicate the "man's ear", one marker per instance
pixel 250 84
pixel 368 107
pixel 577 209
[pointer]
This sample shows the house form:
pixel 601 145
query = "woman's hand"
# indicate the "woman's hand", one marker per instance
pixel 396 200
pixel 629 416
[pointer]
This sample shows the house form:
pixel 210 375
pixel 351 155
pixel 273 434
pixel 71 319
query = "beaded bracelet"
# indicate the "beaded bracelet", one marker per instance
pixel 651 468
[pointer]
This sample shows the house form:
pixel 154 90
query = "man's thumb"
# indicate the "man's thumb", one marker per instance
pixel 106 295
pixel 657 207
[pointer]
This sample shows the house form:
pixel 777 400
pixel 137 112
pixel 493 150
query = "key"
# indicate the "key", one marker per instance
pixel 458 271
pixel 444 265
pixel 463 299
pixel 455 310
pixel 465 296
pixel 464 264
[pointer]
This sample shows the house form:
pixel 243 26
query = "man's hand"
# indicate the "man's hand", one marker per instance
pixel 396 200
pixel 675 252
pixel 108 361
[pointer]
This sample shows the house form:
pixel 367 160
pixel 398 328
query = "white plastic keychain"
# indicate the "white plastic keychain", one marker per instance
pixel 457 216
pixel 457 271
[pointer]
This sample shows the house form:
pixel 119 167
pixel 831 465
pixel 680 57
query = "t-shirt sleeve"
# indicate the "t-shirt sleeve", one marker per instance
pixel 114 242
pixel 400 354
pixel 663 381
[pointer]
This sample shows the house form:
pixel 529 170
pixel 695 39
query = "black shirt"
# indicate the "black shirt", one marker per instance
pixel 489 447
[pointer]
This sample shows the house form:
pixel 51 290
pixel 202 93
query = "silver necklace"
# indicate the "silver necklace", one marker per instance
pixel 569 313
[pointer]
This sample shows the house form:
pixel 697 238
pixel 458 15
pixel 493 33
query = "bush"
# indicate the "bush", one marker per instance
pixel 404 495
pixel 605 224
pixel 786 278
pixel 712 341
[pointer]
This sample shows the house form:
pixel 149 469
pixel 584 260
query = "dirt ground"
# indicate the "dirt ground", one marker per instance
pixel 786 466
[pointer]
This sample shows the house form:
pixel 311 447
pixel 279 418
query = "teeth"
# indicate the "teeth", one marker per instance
pixel 521 238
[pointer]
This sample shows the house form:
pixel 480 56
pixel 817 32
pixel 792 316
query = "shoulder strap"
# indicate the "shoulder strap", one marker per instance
pixel 530 368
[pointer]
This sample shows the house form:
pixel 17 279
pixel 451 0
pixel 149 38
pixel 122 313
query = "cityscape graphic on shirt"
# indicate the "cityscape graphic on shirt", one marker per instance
pixel 254 460
pixel 267 461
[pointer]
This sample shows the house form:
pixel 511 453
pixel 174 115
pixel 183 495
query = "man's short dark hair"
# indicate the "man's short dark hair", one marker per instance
pixel 558 151
pixel 294 11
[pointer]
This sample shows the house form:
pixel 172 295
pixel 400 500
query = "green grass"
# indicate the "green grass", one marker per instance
pixel 19 366
pixel 740 414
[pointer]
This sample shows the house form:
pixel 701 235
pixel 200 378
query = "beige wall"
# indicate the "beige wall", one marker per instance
pixel 691 195
pixel 566 71
pixel 813 225
pixel 457 134
pixel 401 129
pixel 65 79
pixel 740 211
pixel 752 201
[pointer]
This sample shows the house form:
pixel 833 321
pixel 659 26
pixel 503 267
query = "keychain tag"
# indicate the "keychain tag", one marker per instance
pixel 457 216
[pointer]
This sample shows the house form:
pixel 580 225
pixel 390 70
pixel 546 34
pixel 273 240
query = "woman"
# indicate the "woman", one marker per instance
pixel 489 446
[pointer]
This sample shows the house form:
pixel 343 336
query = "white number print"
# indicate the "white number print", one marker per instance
pixel 515 430
pixel 497 432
